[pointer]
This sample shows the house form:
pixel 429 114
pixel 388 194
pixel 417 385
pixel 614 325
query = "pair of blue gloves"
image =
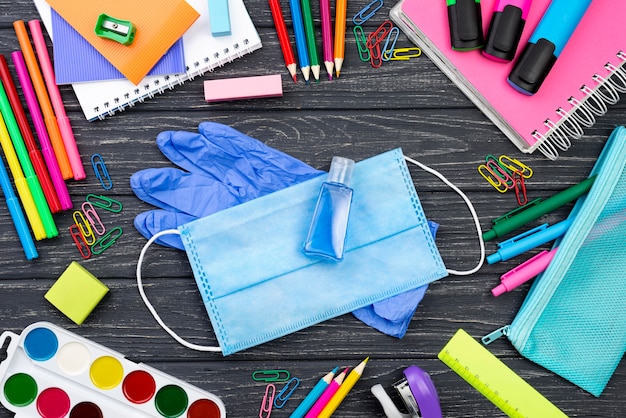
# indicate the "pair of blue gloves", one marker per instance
pixel 221 167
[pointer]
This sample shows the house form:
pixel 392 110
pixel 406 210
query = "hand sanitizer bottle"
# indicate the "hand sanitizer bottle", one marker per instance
pixel 327 233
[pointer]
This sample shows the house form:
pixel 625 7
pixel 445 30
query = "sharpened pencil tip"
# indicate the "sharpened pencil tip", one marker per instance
pixel 330 77
pixel 295 79
pixel 337 74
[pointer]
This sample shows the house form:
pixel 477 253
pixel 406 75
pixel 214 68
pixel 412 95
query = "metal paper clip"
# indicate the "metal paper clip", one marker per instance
pixel 378 34
pixel 514 165
pixel 405 54
pixel 122 31
pixel 520 188
pixel 106 240
pixel 376 55
pixel 492 179
pixel 84 226
pixel 271 375
pixel 93 218
pixel 361 40
pixel 80 242
pixel 104 202
pixel 102 174
pixel 283 396
pixel 367 12
pixel 390 46
pixel 268 401
pixel 501 172
pixel 515 211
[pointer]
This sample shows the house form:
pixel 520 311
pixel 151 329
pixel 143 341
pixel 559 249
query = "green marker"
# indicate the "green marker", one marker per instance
pixel 506 225
pixel 22 154
pixel 309 30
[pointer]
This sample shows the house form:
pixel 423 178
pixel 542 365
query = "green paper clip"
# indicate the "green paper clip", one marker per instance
pixel 271 375
pixel 122 31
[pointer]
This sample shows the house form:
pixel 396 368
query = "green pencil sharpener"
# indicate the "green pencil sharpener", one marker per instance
pixel 122 31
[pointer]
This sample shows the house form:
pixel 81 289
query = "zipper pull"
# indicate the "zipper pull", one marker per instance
pixel 491 337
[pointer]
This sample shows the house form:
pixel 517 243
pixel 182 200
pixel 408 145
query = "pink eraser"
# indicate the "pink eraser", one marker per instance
pixel 243 88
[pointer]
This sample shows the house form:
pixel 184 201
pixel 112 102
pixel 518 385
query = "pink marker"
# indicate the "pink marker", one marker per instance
pixel 505 29
pixel 524 272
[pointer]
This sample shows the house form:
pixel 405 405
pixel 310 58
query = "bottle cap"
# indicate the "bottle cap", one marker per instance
pixel 340 170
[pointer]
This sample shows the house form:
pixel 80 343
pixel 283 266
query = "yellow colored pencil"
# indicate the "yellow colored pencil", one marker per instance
pixel 343 390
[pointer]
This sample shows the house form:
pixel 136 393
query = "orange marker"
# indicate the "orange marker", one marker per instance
pixel 44 100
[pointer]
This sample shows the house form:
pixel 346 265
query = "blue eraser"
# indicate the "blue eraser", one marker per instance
pixel 219 17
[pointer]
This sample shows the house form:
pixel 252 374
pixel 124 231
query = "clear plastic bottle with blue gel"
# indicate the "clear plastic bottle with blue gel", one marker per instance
pixel 327 233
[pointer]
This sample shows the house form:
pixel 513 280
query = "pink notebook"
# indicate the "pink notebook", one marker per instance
pixel 589 74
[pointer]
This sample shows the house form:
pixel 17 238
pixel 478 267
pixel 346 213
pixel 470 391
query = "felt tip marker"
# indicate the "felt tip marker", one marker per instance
pixel 466 27
pixel 524 272
pixel 505 29
pixel 546 44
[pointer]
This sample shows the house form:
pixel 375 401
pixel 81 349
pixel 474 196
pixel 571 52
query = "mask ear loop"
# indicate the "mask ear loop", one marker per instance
pixel 471 209
pixel 149 305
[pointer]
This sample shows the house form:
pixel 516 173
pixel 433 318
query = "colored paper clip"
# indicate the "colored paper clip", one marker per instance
pixel 271 375
pixel 79 240
pixel 501 172
pixel 101 171
pixel 106 240
pixel 283 396
pixel 515 211
pixel 520 188
pixel 376 55
pixel 390 43
pixel 514 165
pixel 268 401
pixel 367 12
pixel 84 227
pixel 93 218
pixel 405 54
pixel 361 40
pixel 492 179
pixel 104 202
pixel 122 31
pixel 379 34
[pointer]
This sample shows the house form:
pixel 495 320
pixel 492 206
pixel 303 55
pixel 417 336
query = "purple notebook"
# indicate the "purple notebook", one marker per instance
pixel 75 60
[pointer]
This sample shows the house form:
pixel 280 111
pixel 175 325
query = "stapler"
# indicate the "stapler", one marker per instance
pixel 417 392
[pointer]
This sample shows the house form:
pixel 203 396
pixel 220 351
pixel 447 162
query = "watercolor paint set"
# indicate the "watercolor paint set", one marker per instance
pixel 50 372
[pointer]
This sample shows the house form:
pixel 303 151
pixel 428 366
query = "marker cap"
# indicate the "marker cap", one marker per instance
pixel 505 31
pixel 466 28
pixel 533 66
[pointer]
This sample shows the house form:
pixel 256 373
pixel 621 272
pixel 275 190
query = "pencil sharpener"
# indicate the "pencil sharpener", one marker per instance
pixel 418 393
pixel 122 31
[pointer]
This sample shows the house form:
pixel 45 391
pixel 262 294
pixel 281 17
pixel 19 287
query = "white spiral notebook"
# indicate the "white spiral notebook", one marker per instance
pixel 203 52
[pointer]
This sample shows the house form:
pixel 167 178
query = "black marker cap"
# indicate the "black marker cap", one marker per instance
pixel 505 31
pixel 533 66
pixel 466 27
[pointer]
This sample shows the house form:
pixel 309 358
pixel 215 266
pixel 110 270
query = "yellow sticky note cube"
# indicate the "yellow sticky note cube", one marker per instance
pixel 76 292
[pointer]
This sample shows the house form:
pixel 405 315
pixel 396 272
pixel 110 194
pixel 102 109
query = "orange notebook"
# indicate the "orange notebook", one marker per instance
pixel 158 24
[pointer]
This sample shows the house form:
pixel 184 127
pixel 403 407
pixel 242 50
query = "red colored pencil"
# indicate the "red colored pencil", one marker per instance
pixel 283 37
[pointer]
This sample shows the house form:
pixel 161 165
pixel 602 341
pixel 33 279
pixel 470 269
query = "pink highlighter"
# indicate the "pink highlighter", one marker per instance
pixel 505 29
pixel 524 272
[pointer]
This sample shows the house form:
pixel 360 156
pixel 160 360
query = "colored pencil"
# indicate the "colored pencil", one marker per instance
pixel 340 34
pixel 330 391
pixel 311 42
pixel 283 37
pixel 57 102
pixel 44 100
pixel 314 394
pixel 298 31
pixel 343 390
pixel 327 37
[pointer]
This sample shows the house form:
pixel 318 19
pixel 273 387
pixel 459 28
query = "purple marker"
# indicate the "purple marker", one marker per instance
pixel 505 29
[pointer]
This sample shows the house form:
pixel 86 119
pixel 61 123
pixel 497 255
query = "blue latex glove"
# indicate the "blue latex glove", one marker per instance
pixel 223 167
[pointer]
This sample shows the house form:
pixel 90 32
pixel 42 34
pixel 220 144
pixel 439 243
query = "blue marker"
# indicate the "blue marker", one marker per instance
pixel 546 44
pixel 16 213
pixel 298 32
pixel 529 240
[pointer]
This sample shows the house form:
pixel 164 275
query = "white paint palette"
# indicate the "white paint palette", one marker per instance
pixel 50 372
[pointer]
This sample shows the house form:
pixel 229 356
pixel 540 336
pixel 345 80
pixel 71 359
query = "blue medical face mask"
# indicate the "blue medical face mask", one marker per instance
pixel 249 255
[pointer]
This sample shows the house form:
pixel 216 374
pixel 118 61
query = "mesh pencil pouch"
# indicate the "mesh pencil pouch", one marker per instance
pixel 573 320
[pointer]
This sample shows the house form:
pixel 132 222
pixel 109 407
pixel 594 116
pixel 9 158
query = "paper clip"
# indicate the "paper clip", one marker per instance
pixel 515 211
pixel 80 242
pixel 106 240
pixel 271 375
pixel 93 218
pixel 283 396
pixel 514 165
pixel 376 56
pixel 405 54
pixel 361 40
pixel 389 48
pixel 367 12
pixel 104 202
pixel 520 188
pixel 268 401
pixel 102 174
pixel 494 180
pixel 378 34
pixel 122 31
pixel 84 227
pixel 500 172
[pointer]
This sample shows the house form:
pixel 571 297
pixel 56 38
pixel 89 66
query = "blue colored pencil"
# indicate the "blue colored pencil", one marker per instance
pixel 313 395
pixel 298 31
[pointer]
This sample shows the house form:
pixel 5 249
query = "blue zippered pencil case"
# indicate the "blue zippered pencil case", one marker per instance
pixel 573 320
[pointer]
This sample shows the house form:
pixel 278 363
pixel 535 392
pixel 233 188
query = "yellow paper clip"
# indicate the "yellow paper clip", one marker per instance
pixel 271 375
pixel 405 54
pixel 492 179
pixel 283 396
pixel 268 401
pixel 102 174
pixel 501 172
pixel 514 165
pixel 367 12
pixel 104 202
pixel 361 40
pixel 520 188
pixel 93 218
pixel 390 43
pixel 84 226
pixel 106 240
pixel 80 242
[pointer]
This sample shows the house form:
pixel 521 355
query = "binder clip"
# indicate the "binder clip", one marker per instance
pixel 122 31
pixel 417 392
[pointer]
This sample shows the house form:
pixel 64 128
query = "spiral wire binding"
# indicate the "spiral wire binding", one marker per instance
pixel 583 113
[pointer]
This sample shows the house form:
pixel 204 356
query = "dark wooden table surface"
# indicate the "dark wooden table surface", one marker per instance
pixel 366 111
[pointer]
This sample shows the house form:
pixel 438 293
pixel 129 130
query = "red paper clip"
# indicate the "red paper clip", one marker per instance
pixel 80 242
pixel 520 188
